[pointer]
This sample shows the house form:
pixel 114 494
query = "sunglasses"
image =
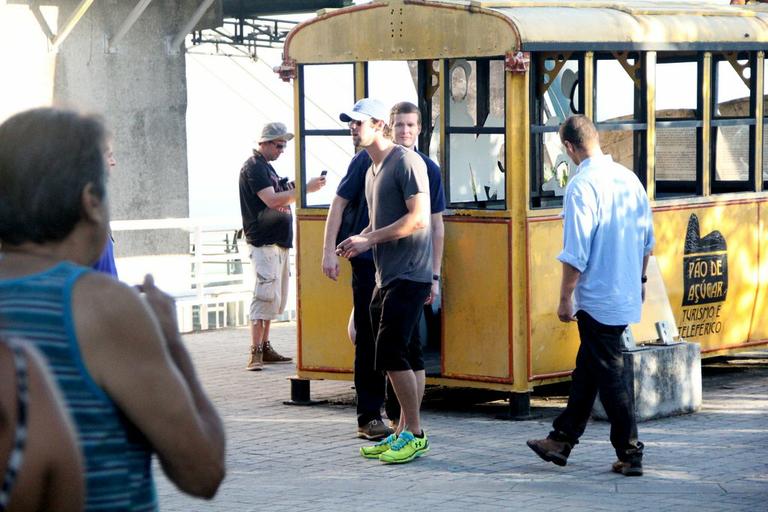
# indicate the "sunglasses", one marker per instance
pixel 355 124
pixel 279 145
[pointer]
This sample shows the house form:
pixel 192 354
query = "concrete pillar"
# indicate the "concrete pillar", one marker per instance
pixel 140 90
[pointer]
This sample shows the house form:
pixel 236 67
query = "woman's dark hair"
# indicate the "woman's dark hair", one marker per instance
pixel 47 157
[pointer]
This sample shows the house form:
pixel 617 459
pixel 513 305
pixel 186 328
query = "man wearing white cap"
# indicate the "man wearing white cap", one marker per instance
pixel 397 193
pixel 370 384
pixel 344 219
pixel 265 201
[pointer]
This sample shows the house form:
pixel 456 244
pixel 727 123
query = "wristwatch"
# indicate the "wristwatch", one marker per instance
pixel 644 279
pixel 435 277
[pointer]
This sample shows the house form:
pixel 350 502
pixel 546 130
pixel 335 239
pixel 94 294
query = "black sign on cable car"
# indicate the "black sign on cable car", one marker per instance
pixel 705 266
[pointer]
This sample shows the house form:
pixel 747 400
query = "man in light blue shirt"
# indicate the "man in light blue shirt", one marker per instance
pixel 607 239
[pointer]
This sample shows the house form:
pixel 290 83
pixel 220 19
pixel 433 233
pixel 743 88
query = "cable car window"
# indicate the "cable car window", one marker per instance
pixel 557 94
pixel 733 79
pixel 676 89
pixel 615 96
pixel 732 155
pixel 326 90
pixel 621 144
pixel 413 81
pixel 678 125
pixel 475 104
pixel 392 82
pixel 620 108
pixel 329 153
pixel 676 154
pixel 733 122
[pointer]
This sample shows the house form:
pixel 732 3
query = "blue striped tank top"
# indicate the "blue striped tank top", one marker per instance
pixel 117 457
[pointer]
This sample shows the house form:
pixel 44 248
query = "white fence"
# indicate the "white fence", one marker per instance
pixel 212 283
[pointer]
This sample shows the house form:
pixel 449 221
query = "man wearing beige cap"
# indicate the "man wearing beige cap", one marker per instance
pixel 265 201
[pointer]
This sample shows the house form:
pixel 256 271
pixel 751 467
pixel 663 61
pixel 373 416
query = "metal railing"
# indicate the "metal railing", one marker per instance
pixel 212 283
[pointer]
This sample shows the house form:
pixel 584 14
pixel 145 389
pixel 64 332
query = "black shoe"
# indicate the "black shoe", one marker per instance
pixel 550 450
pixel 628 468
pixel 271 355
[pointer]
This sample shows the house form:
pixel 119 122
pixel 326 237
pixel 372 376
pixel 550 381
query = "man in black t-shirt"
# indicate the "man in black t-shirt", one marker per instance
pixel 265 200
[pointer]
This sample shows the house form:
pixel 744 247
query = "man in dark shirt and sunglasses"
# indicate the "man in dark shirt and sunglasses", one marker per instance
pixel 265 200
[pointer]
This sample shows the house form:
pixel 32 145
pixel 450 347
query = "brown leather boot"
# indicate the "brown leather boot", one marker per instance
pixel 374 430
pixel 628 468
pixel 550 450
pixel 255 360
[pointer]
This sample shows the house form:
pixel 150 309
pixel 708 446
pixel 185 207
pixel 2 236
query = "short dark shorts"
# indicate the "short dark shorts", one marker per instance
pixel 395 313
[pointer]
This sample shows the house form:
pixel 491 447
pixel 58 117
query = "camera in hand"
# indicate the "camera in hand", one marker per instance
pixel 286 185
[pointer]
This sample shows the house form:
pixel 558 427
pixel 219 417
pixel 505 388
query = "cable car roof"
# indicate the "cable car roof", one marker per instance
pixel 592 25
pixel 427 29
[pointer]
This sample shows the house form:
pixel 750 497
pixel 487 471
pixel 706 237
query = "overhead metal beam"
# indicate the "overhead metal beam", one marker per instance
pixel 175 44
pixel 71 23
pixel 248 34
pixel 261 8
pixel 38 14
pixel 134 15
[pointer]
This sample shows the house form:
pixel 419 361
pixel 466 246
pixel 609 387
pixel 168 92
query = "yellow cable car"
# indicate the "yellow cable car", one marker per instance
pixel 676 90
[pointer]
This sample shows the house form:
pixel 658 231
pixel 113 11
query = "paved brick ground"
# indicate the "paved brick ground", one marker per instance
pixel 305 458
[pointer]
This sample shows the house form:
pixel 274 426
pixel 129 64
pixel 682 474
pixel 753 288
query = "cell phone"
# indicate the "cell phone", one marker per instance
pixel 323 173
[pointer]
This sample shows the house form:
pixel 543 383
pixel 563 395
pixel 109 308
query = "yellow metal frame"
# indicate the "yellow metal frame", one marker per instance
pixel 299 138
pixel 518 165
pixel 589 84
pixel 650 116
pixel 360 78
pixel 759 128
pixel 706 132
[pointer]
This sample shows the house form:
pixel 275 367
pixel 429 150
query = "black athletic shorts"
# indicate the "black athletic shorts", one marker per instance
pixel 395 313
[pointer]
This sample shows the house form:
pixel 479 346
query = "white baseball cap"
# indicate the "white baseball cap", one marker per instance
pixel 366 108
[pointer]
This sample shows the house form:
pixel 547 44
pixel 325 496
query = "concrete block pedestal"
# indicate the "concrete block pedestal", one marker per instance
pixel 666 380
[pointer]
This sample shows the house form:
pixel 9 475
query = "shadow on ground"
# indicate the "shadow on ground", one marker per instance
pixel 548 400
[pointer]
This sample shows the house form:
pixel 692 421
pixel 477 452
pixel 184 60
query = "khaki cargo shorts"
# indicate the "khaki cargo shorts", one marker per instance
pixel 270 294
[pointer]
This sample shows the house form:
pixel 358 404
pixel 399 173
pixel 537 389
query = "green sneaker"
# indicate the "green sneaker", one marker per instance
pixel 405 449
pixel 373 452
